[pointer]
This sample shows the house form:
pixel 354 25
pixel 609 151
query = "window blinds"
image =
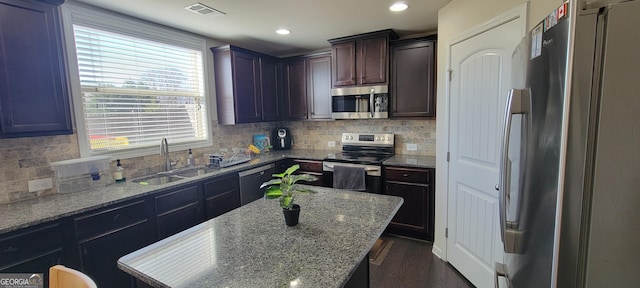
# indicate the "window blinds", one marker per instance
pixel 136 91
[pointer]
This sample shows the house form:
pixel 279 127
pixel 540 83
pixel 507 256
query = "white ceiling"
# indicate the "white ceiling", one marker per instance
pixel 252 23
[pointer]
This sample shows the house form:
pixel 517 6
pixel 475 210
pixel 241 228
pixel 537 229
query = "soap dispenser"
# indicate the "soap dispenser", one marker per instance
pixel 190 160
pixel 119 175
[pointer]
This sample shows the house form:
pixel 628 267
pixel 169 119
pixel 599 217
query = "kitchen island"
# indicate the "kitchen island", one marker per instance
pixel 252 247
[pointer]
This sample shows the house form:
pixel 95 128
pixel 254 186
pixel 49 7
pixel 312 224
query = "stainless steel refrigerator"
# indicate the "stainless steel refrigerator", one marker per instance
pixel 570 169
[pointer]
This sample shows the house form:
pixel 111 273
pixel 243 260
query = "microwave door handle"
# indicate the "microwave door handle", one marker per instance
pixel 371 101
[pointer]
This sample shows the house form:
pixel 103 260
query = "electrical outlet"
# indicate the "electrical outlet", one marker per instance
pixel 40 184
pixel 331 144
pixel 412 147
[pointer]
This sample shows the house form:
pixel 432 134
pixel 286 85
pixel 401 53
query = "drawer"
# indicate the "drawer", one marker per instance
pixel 109 220
pixel 221 185
pixel 175 199
pixel 410 175
pixel 309 165
pixel 30 243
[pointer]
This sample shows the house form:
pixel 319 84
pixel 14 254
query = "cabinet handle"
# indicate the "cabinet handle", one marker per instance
pixel 85 252
pixel 405 175
pixel 10 249
pixel 115 218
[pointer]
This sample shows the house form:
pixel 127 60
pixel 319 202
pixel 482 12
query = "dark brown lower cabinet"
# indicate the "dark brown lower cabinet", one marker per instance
pixel 221 195
pixel 416 216
pixel 100 255
pixel 178 210
pixel 105 235
pixel 32 250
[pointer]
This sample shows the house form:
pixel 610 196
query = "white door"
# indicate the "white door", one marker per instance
pixel 479 82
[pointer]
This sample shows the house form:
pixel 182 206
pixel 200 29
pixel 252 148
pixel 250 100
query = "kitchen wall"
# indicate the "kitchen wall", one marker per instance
pixel 316 134
pixel 25 159
pixel 453 20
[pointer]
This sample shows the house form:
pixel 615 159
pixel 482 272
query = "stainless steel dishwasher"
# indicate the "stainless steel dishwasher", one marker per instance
pixel 250 181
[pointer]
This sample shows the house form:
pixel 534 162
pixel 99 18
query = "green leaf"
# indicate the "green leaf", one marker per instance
pixel 281 175
pixel 286 202
pixel 292 169
pixel 271 182
pixel 303 177
pixel 273 192
pixel 305 191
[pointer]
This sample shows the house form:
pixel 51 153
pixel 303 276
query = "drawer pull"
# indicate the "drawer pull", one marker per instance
pixel 115 217
pixel 10 249
pixel 405 175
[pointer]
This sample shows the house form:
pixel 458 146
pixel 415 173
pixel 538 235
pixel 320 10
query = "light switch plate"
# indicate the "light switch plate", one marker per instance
pixel 331 144
pixel 40 184
pixel 412 147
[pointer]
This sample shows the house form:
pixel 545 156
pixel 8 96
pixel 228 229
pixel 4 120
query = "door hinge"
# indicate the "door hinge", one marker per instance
pixel 446 232
pixel 448 156
pixel 450 74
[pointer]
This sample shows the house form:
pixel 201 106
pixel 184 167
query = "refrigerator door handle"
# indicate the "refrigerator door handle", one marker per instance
pixel 517 103
pixel 501 272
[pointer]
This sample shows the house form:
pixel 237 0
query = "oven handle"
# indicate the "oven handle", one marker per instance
pixel 366 168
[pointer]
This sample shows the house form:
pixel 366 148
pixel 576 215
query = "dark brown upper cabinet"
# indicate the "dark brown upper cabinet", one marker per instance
pixel 412 84
pixel 307 87
pixel 33 85
pixel 247 84
pixel 361 59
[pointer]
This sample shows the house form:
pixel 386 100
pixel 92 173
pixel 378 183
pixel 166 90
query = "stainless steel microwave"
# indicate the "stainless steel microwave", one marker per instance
pixel 365 102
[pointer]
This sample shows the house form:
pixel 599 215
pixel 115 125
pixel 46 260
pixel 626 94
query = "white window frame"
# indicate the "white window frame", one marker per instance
pixel 74 13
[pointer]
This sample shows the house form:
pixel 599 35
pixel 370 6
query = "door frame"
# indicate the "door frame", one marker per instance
pixel 442 161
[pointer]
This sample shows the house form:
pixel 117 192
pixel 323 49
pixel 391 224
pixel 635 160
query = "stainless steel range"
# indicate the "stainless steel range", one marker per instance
pixel 361 153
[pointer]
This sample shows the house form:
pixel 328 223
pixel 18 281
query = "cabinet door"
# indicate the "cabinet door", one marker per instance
pixel 222 195
pixel 412 219
pixel 178 210
pixel 319 88
pixel 33 90
pixel 412 80
pixel 105 235
pixel 295 88
pixel 32 250
pixel 100 255
pixel 344 64
pixel 246 87
pixel 373 64
pixel 269 90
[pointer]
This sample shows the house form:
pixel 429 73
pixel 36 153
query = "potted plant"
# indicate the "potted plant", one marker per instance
pixel 284 186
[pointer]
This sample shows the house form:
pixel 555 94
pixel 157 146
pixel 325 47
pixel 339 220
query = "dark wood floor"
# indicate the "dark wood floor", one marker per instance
pixel 410 263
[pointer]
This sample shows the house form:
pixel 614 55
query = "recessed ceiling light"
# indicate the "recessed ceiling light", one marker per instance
pixel 397 7
pixel 283 31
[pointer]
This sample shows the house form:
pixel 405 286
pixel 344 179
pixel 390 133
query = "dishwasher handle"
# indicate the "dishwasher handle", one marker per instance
pixel 260 170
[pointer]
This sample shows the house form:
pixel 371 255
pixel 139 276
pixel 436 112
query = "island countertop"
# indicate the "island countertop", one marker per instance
pixel 252 247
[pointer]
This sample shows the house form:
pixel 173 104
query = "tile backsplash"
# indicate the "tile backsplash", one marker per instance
pixel 26 159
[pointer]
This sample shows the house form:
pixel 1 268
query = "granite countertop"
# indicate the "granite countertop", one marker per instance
pixel 417 161
pixel 51 207
pixel 252 247
pixel 34 211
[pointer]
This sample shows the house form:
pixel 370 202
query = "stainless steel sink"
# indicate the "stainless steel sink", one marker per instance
pixel 158 179
pixel 174 175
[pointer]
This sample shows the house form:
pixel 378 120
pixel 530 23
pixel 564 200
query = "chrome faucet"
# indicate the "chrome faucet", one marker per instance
pixel 164 151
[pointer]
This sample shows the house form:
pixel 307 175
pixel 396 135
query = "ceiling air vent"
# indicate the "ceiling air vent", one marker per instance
pixel 202 9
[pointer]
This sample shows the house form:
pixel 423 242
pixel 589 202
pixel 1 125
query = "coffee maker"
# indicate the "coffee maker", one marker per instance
pixel 281 138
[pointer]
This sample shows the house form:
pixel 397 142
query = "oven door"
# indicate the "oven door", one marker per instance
pixel 373 179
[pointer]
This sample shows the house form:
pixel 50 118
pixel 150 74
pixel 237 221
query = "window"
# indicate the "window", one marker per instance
pixel 133 90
